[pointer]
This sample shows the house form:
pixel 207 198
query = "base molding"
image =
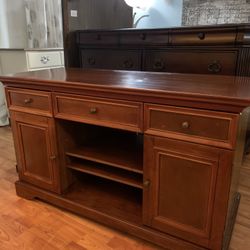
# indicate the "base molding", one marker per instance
pixel 30 192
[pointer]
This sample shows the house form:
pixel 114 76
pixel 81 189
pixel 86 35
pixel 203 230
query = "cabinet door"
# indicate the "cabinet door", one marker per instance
pixel 34 140
pixel 186 189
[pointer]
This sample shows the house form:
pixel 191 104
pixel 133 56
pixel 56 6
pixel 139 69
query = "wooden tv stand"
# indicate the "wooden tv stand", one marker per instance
pixel 155 155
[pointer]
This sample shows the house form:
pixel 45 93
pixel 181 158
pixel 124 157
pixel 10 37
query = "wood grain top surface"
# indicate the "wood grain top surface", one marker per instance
pixel 230 90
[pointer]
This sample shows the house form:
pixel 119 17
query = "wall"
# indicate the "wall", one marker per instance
pixel 12 24
pixel 163 13
pixel 202 12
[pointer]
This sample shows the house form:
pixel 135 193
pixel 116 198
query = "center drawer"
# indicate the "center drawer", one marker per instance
pixel 99 111
pixel 201 126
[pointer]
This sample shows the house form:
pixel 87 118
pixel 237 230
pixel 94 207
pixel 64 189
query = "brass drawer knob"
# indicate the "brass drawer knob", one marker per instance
pixel 185 125
pixel 215 67
pixel 146 183
pixel 128 64
pixel 93 110
pixel 201 35
pixel 28 100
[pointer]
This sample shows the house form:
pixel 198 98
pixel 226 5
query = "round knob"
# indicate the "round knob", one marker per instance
pixel 28 100
pixel 53 157
pixel 91 61
pixel 143 36
pixel 201 35
pixel 146 183
pixel 185 125
pixel 159 64
pixel 44 59
pixel 214 67
pixel 93 110
pixel 128 64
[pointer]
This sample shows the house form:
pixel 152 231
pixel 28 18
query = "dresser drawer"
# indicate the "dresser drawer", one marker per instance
pixel 201 126
pixel 30 101
pixel 43 59
pixel 195 61
pixel 111 59
pixel 144 38
pixel 99 111
pixel 95 38
pixel 223 36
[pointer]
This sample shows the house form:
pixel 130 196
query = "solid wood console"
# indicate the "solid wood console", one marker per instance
pixel 156 155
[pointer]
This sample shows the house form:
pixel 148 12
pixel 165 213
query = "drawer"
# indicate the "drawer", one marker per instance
pixel 223 36
pixel 97 38
pixel 99 111
pixel 111 59
pixel 201 126
pixel 195 61
pixel 144 38
pixel 30 101
pixel 43 59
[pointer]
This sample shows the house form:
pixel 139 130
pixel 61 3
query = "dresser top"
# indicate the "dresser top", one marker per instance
pixel 227 93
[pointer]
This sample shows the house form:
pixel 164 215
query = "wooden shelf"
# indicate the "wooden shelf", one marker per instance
pixel 114 199
pixel 111 154
pixel 107 172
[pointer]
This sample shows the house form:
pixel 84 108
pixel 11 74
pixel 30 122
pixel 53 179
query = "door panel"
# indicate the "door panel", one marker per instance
pixel 36 150
pixel 180 199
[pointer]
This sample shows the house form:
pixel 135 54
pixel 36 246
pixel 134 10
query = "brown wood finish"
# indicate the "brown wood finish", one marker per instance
pixel 205 127
pixel 184 200
pixel 36 102
pixel 220 93
pixel 29 224
pixel 182 190
pixel 183 61
pixel 36 151
pixel 219 49
pixel 106 112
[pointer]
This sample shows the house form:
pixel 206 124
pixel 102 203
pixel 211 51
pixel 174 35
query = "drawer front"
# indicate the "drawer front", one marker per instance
pixel 204 37
pixel 111 59
pixel 206 127
pixel 144 38
pixel 198 62
pixel 30 101
pixel 97 38
pixel 44 59
pixel 99 111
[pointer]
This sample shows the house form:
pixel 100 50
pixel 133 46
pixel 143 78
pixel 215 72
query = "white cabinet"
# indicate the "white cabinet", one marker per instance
pixel 19 60
pixel 13 61
pixel 43 59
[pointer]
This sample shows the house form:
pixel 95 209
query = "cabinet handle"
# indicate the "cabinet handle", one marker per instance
pixel 128 64
pixel 201 35
pixel 214 67
pixel 91 61
pixel 146 183
pixel 44 59
pixel 159 65
pixel 28 100
pixel 53 157
pixel 185 125
pixel 93 110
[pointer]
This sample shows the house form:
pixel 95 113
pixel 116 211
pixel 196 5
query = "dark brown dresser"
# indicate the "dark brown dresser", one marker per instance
pixel 220 49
